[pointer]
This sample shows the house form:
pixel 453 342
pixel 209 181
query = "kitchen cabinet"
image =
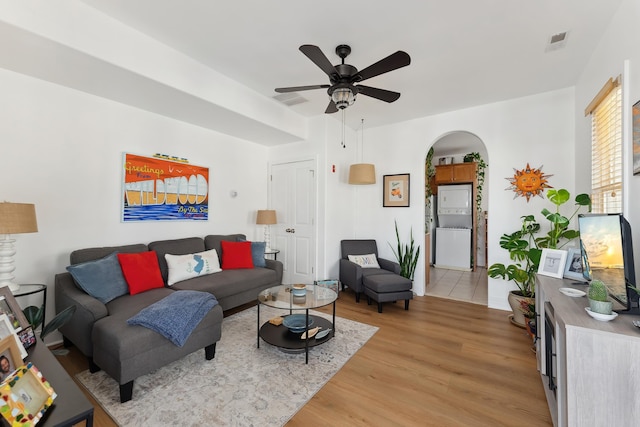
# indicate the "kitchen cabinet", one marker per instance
pixel 457 172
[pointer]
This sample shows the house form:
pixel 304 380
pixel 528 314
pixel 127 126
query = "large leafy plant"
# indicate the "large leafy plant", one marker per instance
pixel 525 245
pixel 407 255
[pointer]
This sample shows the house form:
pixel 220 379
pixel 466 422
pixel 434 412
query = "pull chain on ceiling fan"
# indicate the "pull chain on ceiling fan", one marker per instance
pixel 343 77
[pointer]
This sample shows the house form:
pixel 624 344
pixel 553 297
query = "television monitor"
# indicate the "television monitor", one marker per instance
pixel 607 255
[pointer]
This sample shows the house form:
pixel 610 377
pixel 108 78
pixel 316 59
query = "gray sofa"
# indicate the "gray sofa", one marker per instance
pixel 100 331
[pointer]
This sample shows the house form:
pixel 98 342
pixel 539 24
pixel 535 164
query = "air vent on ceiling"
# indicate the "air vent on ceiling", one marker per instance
pixel 291 98
pixel 557 41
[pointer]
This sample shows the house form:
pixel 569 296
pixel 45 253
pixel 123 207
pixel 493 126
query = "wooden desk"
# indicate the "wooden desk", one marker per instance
pixel 70 406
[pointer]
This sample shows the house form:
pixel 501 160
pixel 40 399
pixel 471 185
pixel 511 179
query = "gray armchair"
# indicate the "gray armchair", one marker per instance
pixel 351 274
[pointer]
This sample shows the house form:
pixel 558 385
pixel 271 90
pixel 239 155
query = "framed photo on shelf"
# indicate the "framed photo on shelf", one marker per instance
pixel 6 331
pixel 10 357
pixel 395 190
pixel 552 263
pixel 10 307
pixel 27 394
pixel 573 268
pixel 27 337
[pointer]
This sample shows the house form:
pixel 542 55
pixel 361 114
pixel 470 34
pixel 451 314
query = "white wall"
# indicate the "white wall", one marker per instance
pixel 62 150
pixel 538 130
pixel 619 45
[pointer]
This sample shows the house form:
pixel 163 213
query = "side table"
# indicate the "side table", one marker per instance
pixel 273 252
pixel 31 289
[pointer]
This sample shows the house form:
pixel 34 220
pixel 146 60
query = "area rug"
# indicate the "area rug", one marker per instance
pixel 242 386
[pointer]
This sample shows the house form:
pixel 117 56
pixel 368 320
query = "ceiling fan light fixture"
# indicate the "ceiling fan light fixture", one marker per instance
pixel 343 97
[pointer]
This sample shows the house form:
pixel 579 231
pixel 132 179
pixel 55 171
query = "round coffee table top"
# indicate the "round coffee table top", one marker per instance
pixel 282 297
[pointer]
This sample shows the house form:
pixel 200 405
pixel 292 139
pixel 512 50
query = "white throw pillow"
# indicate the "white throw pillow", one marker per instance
pixel 183 267
pixel 365 261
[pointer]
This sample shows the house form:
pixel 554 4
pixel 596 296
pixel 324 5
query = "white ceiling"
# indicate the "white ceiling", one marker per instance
pixel 463 52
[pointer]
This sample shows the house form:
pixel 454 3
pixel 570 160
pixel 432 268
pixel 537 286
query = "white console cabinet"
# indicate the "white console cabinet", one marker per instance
pixel 596 364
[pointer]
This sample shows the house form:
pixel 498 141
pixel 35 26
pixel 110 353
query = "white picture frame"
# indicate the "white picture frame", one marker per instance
pixel 6 329
pixel 573 267
pixel 552 263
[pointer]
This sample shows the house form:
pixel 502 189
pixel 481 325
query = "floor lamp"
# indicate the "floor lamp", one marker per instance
pixel 15 218
pixel 266 217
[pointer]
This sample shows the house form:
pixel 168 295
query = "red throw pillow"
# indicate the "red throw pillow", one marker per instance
pixel 236 255
pixel 141 271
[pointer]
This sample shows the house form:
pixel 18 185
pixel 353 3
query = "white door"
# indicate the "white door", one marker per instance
pixel 293 198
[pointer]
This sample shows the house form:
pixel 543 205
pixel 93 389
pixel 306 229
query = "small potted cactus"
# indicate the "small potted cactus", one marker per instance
pixel 599 298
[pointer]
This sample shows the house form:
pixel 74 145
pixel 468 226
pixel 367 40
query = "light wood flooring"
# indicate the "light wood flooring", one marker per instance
pixel 442 363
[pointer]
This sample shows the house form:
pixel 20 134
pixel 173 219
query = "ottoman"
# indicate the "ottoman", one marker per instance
pixel 387 287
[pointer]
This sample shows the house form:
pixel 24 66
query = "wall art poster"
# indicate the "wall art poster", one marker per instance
pixel 395 190
pixel 156 189
pixel 636 138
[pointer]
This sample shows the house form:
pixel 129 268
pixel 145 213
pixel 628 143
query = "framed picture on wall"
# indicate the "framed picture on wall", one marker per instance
pixel 395 191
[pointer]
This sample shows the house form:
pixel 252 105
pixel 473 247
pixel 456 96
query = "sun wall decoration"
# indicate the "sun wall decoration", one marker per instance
pixel 528 182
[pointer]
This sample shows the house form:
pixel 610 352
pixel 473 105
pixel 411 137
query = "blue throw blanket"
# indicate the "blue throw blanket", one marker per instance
pixel 176 315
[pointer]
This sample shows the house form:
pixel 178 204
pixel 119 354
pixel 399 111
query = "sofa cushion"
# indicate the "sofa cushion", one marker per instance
pixel 188 245
pixel 228 283
pixel 365 261
pixel 257 254
pixel 141 271
pixel 236 255
pixel 101 278
pixel 213 241
pixel 183 267
pixel 90 254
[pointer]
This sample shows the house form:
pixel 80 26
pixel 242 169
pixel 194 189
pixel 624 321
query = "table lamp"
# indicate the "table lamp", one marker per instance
pixel 266 217
pixel 15 218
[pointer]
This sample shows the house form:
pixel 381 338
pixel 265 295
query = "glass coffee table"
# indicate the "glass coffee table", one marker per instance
pixel 281 297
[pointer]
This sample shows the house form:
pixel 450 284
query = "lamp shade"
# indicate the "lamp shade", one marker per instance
pixel 266 216
pixel 362 174
pixel 17 218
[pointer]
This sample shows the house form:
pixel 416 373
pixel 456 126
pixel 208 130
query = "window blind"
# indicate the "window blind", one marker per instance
pixel 606 151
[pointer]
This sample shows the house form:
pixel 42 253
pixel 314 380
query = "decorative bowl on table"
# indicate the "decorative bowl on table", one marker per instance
pixel 299 290
pixel 295 323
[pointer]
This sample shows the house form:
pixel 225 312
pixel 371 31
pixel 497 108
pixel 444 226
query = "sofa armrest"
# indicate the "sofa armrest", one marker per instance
pixel 389 265
pixel 351 275
pixel 88 310
pixel 277 266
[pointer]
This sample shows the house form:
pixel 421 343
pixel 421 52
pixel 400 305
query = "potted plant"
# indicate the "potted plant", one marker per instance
pixel 599 298
pixel 407 255
pixel 525 247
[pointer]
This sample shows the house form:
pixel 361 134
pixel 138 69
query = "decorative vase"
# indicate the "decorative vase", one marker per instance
pixel 514 301
pixel 603 307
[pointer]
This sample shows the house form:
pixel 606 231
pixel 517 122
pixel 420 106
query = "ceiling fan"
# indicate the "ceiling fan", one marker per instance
pixel 343 77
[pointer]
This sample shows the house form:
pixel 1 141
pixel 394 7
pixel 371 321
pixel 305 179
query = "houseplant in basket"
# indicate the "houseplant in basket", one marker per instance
pixel 525 247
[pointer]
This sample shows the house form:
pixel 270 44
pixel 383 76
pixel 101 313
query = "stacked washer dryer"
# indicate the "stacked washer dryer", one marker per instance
pixel 455 222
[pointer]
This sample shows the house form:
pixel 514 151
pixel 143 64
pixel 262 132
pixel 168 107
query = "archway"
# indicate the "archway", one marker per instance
pixel 457 282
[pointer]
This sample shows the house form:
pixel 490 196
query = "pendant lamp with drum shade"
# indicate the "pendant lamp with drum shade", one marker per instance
pixel 362 173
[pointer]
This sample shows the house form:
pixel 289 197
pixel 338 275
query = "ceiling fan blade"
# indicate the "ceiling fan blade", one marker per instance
pixel 381 94
pixel 315 54
pixel 392 62
pixel 300 88
pixel 331 108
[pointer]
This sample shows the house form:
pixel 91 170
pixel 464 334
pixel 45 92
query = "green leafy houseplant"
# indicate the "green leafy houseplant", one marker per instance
pixel 407 255
pixel 475 157
pixel 525 245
